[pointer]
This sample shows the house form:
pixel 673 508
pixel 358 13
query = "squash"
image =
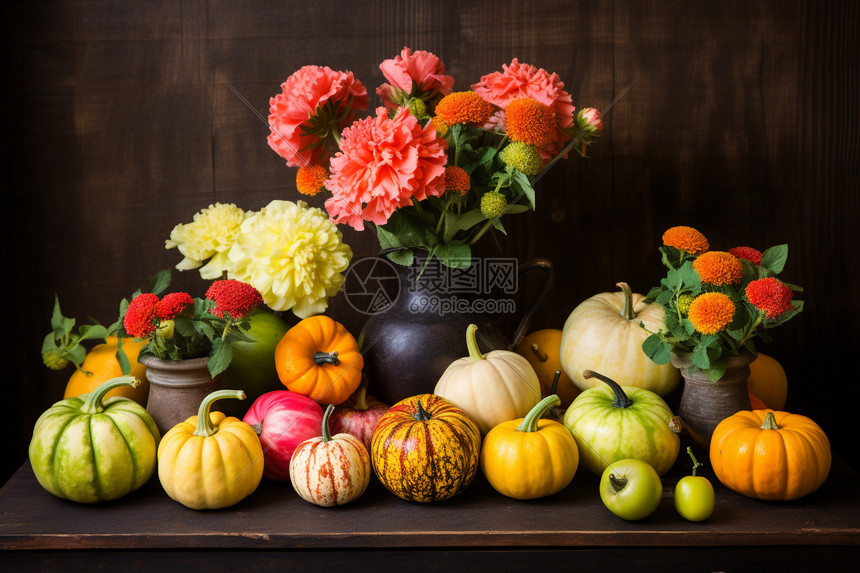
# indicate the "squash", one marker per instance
pixel 283 420
pixel 768 381
pixel 425 449
pixel 603 334
pixel 101 365
pixel 320 359
pixel 491 388
pixel 530 458
pixel 770 455
pixel 88 448
pixel 541 349
pixel 210 461
pixel 330 470
pixel 611 423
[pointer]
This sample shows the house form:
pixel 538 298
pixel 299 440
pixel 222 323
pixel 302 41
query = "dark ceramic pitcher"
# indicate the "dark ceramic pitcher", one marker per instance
pixel 409 345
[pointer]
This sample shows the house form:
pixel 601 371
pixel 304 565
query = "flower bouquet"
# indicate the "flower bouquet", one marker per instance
pixel 432 170
pixel 717 303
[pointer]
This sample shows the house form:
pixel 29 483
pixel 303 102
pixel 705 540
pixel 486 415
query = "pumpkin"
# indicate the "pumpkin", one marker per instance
pixel 210 461
pixel 320 359
pixel 603 334
pixel 88 448
pixel 101 365
pixel 530 457
pixel 425 449
pixel 358 417
pixel 491 388
pixel 541 349
pixel 756 403
pixel 283 420
pixel 770 455
pixel 611 423
pixel 768 381
pixel 330 470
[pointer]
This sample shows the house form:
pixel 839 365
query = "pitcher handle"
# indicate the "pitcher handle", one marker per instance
pixel 534 264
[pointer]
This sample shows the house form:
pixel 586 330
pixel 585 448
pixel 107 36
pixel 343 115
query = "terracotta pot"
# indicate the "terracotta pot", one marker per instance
pixel 704 403
pixel 407 347
pixel 176 388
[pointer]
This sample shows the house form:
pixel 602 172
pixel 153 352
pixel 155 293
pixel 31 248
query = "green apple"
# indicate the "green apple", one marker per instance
pixel 694 495
pixel 631 489
pixel 253 366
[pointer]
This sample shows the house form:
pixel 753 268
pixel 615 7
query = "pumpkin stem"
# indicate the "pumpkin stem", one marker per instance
pixel 326 435
pixel 421 415
pixel 618 483
pixel 555 382
pixel 530 422
pixel 696 463
pixel 539 353
pixel 93 402
pixel 205 427
pixel 472 343
pixel 769 422
pixel 321 358
pixel 621 399
pixel 627 309
pixel 361 399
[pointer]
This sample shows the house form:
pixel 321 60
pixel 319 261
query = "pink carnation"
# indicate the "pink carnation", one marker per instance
pixel 303 96
pixel 522 80
pixel 416 74
pixel 384 164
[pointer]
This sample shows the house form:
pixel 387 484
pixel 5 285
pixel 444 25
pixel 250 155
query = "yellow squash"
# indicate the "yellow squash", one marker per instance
pixel 210 461
pixel 530 458
pixel 101 365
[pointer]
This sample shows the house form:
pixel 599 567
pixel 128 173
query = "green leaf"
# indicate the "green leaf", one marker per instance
pixel 455 223
pixel 160 281
pixel 455 254
pixel 517 209
pixel 716 370
pixel 122 358
pixel 657 349
pixel 92 331
pixel 61 325
pixel 700 357
pixel 220 357
pixel 774 258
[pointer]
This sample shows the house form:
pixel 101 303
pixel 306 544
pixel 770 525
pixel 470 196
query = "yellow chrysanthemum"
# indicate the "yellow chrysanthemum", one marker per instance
pixel 209 236
pixel 687 239
pixel 463 107
pixel 711 312
pixel 310 179
pixel 293 255
pixel 719 268
pixel 529 121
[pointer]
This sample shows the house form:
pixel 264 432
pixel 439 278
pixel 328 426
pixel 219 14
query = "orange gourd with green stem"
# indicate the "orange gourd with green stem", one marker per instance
pixel 320 359
pixel 530 457
pixel 770 455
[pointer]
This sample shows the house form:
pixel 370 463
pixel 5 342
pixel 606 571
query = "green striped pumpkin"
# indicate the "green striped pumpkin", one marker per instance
pixel 612 423
pixel 87 449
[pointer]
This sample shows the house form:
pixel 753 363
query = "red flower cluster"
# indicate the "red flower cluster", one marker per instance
pixel 770 295
pixel 173 304
pixel 747 253
pixel 140 317
pixel 234 297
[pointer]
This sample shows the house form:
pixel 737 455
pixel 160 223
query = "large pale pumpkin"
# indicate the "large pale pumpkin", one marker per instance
pixel 768 381
pixel 492 388
pixel 603 334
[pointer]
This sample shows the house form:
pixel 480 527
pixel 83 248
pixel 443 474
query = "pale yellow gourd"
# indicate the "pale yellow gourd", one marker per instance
pixel 491 388
pixel 603 334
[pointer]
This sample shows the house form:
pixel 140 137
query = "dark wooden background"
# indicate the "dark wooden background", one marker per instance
pixel 742 122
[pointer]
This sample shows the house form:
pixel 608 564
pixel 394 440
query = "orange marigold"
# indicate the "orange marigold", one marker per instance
pixel 456 179
pixel 686 239
pixel 464 107
pixel 310 179
pixel 711 312
pixel 719 268
pixel 529 121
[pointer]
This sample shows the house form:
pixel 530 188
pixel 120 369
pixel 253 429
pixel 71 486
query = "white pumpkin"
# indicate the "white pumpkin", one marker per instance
pixel 491 388
pixel 603 334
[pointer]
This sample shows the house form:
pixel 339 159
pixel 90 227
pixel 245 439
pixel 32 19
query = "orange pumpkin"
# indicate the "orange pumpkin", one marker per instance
pixel 319 359
pixel 101 365
pixel 541 348
pixel 770 455
pixel 756 403
pixel 768 381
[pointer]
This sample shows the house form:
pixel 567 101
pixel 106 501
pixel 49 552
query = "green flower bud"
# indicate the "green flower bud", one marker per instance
pixel 418 108
pixel 53 360
pixel 493 204
pixel 684 302
pixel 522 156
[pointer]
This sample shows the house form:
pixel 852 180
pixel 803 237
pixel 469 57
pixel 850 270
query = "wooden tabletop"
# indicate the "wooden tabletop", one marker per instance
pixel 274 517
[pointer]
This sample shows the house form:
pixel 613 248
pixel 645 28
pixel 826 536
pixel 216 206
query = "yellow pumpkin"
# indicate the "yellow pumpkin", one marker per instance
pixel 101 365
pixel 770 455
pixel 768 381
pixel 541 349
pixel 210 461
pixel 603 334
pixel 529 457
pixel 491 388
